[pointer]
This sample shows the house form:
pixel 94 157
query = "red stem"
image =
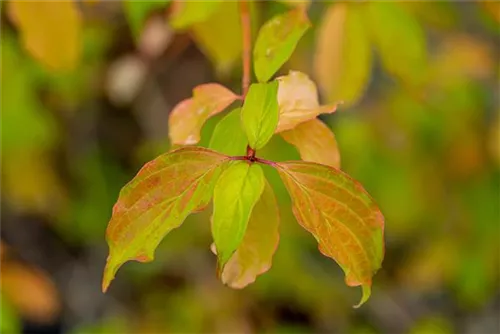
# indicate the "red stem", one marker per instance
pixel 247 43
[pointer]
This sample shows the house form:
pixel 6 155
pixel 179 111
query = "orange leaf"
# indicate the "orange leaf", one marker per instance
pixel 298 101
pixel 50 31
pixel 255 253
pixel 340 214
pixel 188 117
pixel 315 142
pixel 164 192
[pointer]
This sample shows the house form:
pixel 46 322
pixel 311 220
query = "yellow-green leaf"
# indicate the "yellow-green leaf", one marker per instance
pixel 187 118
pixel 164 192
pixel 340 214
pixel 186 13
pixel 276 41
pixel 260 113
pixel 50 31
pixel 219 37
pixel 255 253
pixel 298 101
pixel 399 39
pixel 228 136
pixel 235 195
pixel 343 58
pixel 137 12
pixel 315 142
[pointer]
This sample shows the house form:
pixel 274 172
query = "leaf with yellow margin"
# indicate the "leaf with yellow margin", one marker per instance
pixel 255 253
pixel 340 214
pixel 163 193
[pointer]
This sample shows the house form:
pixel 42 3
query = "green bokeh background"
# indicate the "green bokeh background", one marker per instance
pixel 429 156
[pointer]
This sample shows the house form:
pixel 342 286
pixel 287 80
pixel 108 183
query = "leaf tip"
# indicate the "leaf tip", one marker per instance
pixel 367 291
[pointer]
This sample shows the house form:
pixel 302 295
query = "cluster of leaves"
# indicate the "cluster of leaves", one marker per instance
pixel 333 207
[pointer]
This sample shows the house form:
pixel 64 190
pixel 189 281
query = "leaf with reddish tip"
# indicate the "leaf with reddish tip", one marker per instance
pixel 162 194
pixel 340 214
pixel 276 41
pixel 298 101
pixel 235 195
pixel 254 255
pixel 188 117
pixel 315 142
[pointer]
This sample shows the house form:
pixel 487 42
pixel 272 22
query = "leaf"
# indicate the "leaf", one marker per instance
pixel 188 116
pixel 186 13
pixel 298 101
pixel 296 3
pixel 219 37
pixel 138 11
pixel 254 255
pixel 260 113
pixel 164 192
pixel 315 142
pixel 399 39
pixel 40 22
pixel 276 41
pixel 238 189
pixel 228 136
pixel 340 214
pixel 343 58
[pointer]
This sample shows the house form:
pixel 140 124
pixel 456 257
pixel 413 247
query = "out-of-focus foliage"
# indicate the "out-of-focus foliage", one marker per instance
pixel 429 154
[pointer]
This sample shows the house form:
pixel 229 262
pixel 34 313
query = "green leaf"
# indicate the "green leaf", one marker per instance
pixel 340 214
pixel 343 56
pixel 260 113
pixel 276 41
pixel 164 192
pixel 399 39
pixel 186 13
pixel 236 193
pixel 187 118
pixel 138 11
pixel 255 253
pixel 228 136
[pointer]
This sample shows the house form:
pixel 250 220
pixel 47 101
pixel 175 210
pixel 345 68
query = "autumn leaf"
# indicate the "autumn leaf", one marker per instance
pixel 298 101
pixel 399 39
pixel 235 195
pixel 254 255
pixel 162 194
pixel 138 11
pixel 39 24
pixel 343 58
pixel 228 136
pixel 188 117
pixel 276 41
pixel 340 214
pixel 315 142
pixel 186 13
pixel 260 113
pixel 219 37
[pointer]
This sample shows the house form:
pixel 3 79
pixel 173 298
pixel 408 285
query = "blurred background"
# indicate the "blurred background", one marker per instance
pixel 86 91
